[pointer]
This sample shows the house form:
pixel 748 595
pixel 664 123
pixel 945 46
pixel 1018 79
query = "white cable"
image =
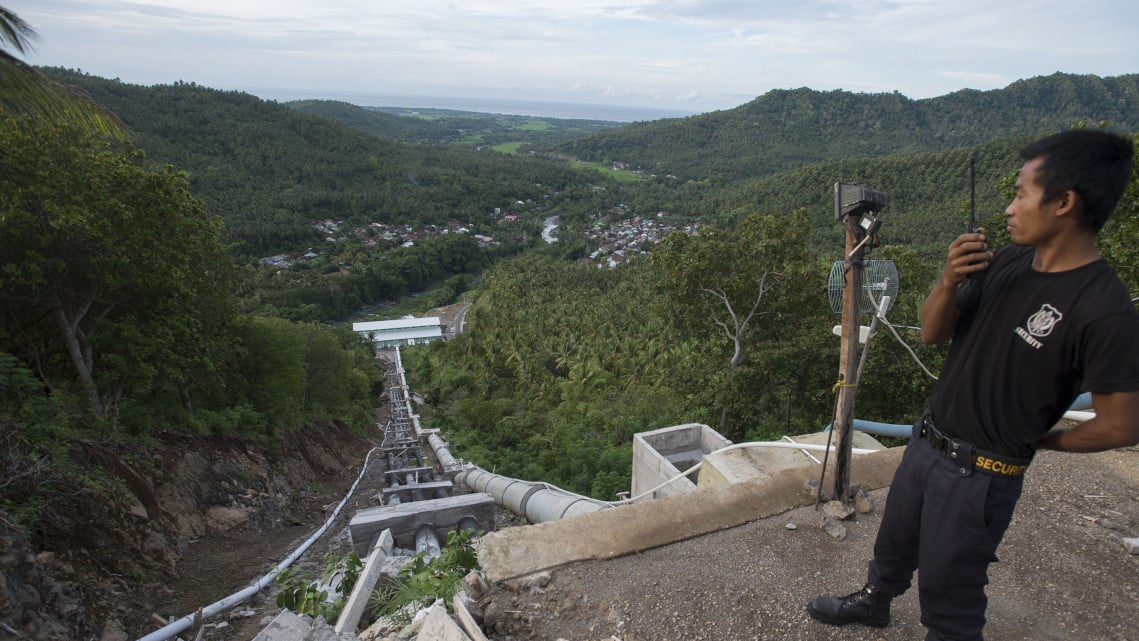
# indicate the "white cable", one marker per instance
pixel 808 454
pixel 916 329
pixel 773 444
pixel 858 246
pixel 880 314
pixel 908 349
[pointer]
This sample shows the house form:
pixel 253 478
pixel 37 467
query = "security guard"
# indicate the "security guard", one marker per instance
pixel 1032 325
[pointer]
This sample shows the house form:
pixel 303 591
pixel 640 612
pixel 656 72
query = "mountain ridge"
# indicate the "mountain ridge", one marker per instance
pixel 784 128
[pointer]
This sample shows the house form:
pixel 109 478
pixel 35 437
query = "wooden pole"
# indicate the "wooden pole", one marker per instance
pixel 848 361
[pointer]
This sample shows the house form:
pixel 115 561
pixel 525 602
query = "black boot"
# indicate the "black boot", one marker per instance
pixel 869 606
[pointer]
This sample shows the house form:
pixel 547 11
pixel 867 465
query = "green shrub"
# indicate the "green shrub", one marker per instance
pixel 423 581
pixel 22 395
pixel 297 590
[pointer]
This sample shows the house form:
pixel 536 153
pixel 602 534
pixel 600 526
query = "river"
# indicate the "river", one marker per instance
pixel 550 229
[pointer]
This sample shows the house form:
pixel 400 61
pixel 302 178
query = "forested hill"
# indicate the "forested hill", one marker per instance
pixel 431 125
pixel 376 123
pixel 271 172
pixel 788 128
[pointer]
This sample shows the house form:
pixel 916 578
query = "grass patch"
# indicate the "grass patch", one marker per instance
pixel 535 125
pixel 619 175
pixel 508 147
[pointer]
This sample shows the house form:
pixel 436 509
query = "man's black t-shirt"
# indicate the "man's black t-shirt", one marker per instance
pixel 1028 344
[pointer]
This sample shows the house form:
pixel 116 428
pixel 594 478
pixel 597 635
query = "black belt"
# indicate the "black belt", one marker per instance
pixel 983 460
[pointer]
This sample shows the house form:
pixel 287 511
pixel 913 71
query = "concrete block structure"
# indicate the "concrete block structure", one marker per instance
pixel 405 518
pixel 662 454
pixel 744 464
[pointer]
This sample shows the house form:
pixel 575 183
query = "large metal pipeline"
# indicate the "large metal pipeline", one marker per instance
pixel 537 502
pixel 404 403
pixel 442 452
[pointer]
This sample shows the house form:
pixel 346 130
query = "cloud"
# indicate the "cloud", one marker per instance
pixel 975 78
pixel 708 53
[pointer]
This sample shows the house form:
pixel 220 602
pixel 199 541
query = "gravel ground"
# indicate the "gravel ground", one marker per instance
pixel 1064 574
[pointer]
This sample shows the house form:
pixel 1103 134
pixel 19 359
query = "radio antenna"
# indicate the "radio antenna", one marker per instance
pixel 972 193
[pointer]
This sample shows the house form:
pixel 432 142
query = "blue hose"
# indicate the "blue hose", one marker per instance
pixel 1082 402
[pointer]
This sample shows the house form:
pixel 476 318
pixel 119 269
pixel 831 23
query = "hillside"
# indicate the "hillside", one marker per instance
pixel 444 126
pixel 271 172
pixel 785 128
pixel 929 194
pixel 274 171
pixel 378 123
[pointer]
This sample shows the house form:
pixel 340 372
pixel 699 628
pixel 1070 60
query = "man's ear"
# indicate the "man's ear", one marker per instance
pixel 1067 202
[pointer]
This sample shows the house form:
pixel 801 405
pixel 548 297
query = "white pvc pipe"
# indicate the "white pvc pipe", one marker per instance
pixel 806 453
pixel 174 627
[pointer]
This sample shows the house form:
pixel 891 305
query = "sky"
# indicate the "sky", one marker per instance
pixel 668 56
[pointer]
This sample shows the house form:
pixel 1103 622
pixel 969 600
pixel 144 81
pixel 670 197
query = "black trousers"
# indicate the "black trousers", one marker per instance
pixel 944 519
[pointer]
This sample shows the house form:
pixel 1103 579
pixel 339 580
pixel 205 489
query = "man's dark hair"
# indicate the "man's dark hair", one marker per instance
pixel 1094 163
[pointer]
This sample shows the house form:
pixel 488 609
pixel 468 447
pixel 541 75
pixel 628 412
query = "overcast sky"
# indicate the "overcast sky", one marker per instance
pixel 681 55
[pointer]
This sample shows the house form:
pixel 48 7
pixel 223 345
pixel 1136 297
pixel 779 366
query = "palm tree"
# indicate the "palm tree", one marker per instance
pixel 24 91
pixel 14 32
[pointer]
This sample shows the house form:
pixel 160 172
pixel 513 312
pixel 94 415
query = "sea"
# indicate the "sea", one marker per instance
pixel 561 110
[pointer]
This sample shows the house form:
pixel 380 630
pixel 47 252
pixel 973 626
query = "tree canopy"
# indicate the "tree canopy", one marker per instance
pixel 118 264
pixel 272 172
pixel 115 286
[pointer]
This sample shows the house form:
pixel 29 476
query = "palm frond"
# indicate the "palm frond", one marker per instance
pixel 15 33
pixel 24 91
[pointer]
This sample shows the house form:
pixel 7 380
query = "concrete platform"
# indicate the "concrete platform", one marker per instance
pixel 405 491
pixel 404 519
pixel 763 462
pixel 613 532
pixel 401 474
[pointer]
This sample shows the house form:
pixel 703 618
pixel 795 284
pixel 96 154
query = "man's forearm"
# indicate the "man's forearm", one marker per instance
pixel 1093 435
pixel 939 313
